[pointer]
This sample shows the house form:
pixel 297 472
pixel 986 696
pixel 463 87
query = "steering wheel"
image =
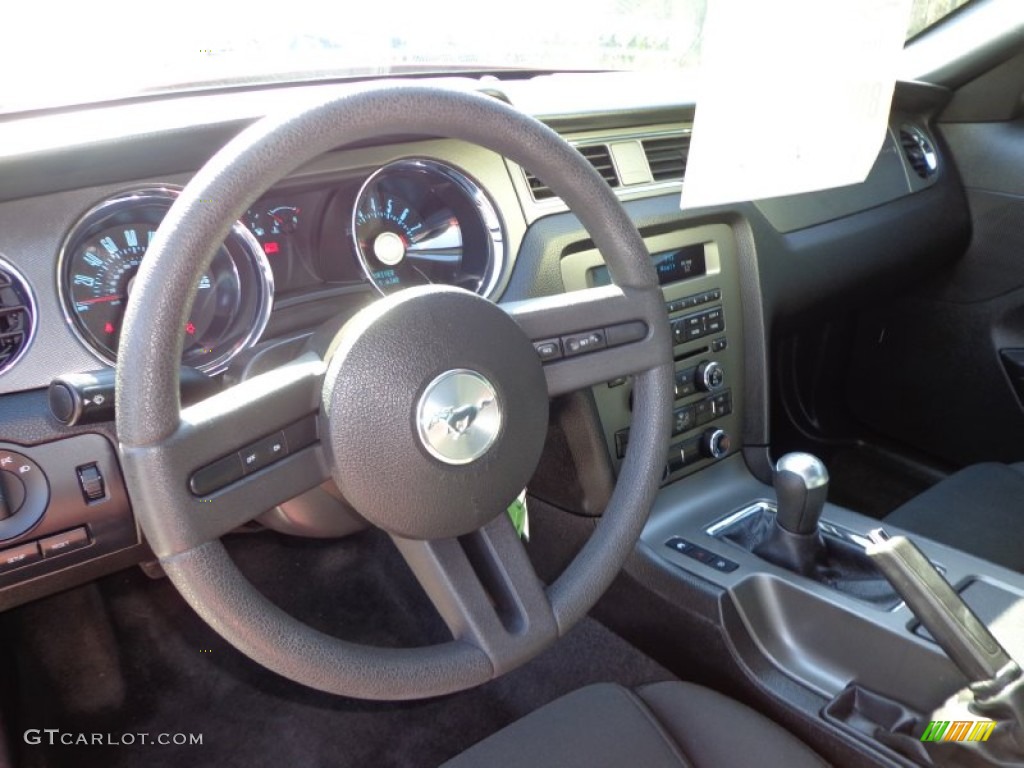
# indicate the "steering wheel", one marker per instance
pixel 373 406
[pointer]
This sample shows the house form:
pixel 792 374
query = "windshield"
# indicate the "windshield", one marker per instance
pixel 118 47
pixel 74 53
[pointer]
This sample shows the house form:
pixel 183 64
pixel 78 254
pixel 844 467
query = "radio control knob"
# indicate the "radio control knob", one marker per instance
pixel 710 376
pixel 715 443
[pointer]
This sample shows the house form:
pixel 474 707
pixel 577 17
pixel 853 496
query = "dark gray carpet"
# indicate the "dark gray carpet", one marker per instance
pixel 154 667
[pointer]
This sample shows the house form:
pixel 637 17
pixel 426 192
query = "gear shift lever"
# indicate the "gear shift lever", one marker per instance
pixel 801 485
pixel 789 537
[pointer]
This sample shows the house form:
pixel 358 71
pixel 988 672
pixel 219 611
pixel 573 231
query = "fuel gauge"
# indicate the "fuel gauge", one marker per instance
pixel 284 219
pixel 273 225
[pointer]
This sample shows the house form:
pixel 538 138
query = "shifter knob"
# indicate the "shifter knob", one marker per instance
pixel 801 485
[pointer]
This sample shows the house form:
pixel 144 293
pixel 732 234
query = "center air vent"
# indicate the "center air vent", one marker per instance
pixel 666 156
pixel 17 316
pixel 598 156
pixel 919 151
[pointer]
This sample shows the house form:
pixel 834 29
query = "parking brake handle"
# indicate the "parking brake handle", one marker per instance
pixel 995 678
pixel 938 607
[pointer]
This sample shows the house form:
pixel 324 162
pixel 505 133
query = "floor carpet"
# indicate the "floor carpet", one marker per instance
pixel 129 656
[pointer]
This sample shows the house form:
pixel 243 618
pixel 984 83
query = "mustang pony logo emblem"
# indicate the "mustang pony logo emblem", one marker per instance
pixel 458 420
pixel 458 416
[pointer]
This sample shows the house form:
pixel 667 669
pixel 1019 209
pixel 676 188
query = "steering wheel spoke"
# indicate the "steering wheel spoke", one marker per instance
pixel 591 336
pixel 486 590
pixel 241 452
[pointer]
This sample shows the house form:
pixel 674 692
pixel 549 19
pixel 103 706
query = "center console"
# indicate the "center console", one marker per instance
pixel 800 607
pixel 697 269
pixel 841 647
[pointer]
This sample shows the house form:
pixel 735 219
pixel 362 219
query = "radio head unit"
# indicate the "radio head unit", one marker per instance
pixel 671 266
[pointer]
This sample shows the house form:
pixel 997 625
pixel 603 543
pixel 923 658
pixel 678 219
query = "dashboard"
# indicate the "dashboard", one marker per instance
pixel 77 216
pixel 329 238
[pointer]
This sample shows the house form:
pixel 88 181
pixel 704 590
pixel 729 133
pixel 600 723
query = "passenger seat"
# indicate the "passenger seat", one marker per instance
pixel 979 510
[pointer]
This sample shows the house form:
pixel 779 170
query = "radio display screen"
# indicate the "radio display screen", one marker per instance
pixel 671 266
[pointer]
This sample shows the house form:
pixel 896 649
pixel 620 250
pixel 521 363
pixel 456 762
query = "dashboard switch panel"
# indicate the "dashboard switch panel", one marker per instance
pixel 26 493
pixel 62 543
pixel 91 482
pixel 16 557
pixel 75 509
pixel 701 555
pixel 709 366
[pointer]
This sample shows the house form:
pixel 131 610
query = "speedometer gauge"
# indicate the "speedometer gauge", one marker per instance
pixel 420 221
pixel 102 255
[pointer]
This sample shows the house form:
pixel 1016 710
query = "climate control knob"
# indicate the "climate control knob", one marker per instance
pixel 710 376
pixel 715 443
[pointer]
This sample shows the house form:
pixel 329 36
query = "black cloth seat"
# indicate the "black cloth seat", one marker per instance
pixel 979 510
pixel 663 725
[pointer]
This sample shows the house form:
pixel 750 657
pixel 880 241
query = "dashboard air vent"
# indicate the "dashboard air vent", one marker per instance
pixel 598 156
pixel 17 316
pixel 666 155
pixel 919 151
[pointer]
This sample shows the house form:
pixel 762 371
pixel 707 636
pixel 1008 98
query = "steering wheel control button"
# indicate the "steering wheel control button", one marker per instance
pixel 301 434
pixel 215 476
pixel 63 543
pixel 580 343
pixel 16 557
pixel 549 349
pixel 459 416
pixel 591 341
pixel 625 333
pixel 254 457
pixel 263 452
pixel 91 482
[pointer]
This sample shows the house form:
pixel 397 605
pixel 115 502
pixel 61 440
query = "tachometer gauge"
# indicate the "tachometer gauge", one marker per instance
pixel 102 255
pixel 420 221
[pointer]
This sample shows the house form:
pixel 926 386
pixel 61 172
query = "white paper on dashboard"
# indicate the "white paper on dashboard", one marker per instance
pixel 794 96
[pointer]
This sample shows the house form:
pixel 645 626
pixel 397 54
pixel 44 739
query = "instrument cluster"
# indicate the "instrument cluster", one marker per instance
pixel 411 222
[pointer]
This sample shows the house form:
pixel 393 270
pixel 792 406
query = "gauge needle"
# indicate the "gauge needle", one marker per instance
pixel 100 299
